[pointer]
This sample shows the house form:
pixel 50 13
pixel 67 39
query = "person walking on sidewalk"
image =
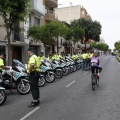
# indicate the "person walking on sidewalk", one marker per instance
pixel 33 71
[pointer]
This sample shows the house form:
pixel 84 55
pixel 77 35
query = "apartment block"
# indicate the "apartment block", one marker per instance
pixel 68 14
pixel 19 40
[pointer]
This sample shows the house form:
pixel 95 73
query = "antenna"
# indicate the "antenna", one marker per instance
pixel 65 2
pixel 71 4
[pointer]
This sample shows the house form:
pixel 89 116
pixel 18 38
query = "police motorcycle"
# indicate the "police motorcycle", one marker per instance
pixel 65 66
pixel 71 63
pixel 3 95
pixel 57 68
pixel 47 70
pixel 41 81
pixel 78 64
pixel 16 78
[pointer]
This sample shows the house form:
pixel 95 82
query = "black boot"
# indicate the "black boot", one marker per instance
pixel 34 103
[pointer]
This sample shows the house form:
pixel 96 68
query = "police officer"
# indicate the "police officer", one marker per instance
pixel 2 66
pixel 50 57
pixel 89 60
pixel 74 56
pixel 56 56
pixel 33 71
pixel 84 58
pixel 41 58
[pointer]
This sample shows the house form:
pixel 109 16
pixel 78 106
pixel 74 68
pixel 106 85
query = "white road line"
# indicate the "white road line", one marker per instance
pixel 70 84
pixel 85 73
pixel 30 113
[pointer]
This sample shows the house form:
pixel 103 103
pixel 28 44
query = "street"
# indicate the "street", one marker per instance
pixel 71 97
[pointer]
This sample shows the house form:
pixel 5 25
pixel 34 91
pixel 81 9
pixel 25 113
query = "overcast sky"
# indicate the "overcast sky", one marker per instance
pixel 107 12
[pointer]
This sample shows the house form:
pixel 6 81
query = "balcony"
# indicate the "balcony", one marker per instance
pixel 37 7
pixel 51 3
pixel 49 17
pixel 18 37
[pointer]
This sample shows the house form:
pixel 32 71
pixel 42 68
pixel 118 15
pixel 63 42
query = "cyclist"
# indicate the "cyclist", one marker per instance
pixel 95 64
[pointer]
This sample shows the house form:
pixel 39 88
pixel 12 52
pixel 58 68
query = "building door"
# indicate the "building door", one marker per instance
pixel 17 53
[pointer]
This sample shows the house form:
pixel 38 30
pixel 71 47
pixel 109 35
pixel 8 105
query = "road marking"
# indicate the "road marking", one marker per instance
pixel 30 113
pixel 70 84
pixel 85 73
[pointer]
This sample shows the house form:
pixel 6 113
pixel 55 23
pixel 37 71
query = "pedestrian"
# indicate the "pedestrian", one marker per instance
pixel 33 71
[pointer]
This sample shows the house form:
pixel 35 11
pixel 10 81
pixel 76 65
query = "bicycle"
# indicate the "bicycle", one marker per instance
pixel 94 79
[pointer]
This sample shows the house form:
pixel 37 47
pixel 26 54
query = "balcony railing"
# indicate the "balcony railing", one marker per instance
pixel 38 7
pixel 18 37
pixel 49 16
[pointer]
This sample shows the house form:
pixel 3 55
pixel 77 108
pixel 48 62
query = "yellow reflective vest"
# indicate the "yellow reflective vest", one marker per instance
pixel 34 60
pixel 41 59
pixel 74 57
pixel 84 56
pixel 1 63
pixel 57 57
pixel 50 59
pixel 89 55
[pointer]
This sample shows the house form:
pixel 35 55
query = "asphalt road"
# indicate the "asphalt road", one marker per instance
pixel 71 98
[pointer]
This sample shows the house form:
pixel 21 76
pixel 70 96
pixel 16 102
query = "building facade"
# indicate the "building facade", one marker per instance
pixel 19 40
pixel 69 14
pixel 50 6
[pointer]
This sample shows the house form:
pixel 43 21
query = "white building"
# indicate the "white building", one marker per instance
pixel 68 14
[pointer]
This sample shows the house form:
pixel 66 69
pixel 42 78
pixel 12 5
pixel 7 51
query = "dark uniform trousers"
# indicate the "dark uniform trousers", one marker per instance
pixel 33 78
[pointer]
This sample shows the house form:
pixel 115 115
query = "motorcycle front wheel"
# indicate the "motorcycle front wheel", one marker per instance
pixel 23 87
pixel 41 82
pixel 65 71
pixel 50 77
pixel 3 97
pixel 58 73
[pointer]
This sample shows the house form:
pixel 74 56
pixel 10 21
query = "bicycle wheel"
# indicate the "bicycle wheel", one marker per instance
pixel 93 79
pixel 97 81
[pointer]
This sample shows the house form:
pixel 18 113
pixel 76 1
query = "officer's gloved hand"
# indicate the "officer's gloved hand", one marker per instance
pixel 10 68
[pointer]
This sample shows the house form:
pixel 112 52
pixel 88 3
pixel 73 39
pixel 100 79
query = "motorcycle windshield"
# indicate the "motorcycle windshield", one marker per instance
pixel 18 64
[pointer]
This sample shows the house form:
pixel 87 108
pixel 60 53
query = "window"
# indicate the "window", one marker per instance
pixel 30 24
pixel 36 21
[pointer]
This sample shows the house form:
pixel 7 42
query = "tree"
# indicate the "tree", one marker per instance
pixel 48 33
pixel 12 12
pixel 102 46
pixel 92 29
pixel 117 45
pixel 77 33
pixel 92 45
